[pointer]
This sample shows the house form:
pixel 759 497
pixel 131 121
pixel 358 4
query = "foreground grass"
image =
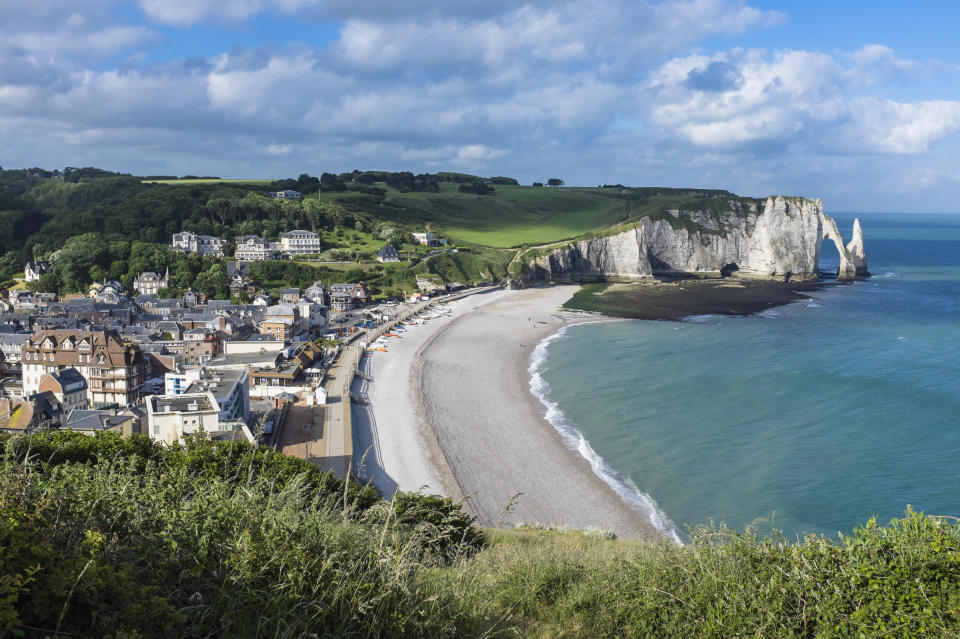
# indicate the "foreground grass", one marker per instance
pixel 101 536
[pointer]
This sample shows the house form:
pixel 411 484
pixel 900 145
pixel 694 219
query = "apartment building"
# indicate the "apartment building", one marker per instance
pixel 114 371
pixel 251 248
pixel 300 242
pixel 202 245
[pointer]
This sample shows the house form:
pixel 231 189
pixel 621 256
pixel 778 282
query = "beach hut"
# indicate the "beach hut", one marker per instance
pixel 321 396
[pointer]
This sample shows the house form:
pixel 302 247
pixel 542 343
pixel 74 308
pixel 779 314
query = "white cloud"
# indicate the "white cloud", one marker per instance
pixel 794 97
pixel 595 90
pixel 186 13
pixel 895 127
pixel 476 152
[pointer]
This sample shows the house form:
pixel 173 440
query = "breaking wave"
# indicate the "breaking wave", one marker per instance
pixel 572 437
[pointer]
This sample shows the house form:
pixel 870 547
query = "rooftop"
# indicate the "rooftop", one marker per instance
pixel 182 403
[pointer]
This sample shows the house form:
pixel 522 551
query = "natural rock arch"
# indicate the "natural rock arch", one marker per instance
pixel 829 231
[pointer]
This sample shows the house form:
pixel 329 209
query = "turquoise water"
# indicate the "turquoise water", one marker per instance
pixel 819 414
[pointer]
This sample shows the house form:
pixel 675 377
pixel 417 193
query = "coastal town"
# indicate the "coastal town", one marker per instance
pixel 269 371
pixel 479 320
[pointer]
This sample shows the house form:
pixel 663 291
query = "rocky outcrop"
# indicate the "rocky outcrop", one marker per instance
pixel 780 238
pixel 855 248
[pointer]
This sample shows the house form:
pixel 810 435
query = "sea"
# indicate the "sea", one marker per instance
pixel 807 418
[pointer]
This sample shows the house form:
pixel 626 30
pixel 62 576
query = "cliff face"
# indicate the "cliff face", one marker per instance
pixel 777 239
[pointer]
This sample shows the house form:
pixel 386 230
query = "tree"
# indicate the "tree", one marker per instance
pixel 49 282
pixel 477 188
pixel 214 282
pixel 330 182
pixel 554 182
pixel 538 184
pixel 399 237
pixel 307 183
pixel 80 257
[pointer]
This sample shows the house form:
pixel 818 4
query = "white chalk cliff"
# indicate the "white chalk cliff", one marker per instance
pixel 777 239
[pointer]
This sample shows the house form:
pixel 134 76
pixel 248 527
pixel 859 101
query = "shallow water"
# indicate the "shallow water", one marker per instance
pixel 819 414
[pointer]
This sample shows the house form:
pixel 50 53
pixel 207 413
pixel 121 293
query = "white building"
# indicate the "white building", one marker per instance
pixel 388 254
pixel 426 239
pixel 187 242
pixel 230 388
pixel 149 283
pixel 251 248
pixel 286 194
pixel 254 344
pixel 33 270
pixel 170 418
pixel 300 242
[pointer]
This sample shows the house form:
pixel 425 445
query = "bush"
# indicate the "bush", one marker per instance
pixel 100 538
pixel 106 536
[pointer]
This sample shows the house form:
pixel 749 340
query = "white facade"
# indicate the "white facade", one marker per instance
pixel 253 346
pixel 251 248
pixel 286 194
pixel 187 242
pixel 149 283
pixel 300 242
pixel 170 418
pixel 33 270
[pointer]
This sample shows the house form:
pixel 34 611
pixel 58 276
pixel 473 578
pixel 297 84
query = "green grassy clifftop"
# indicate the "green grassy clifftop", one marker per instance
pixel 101 536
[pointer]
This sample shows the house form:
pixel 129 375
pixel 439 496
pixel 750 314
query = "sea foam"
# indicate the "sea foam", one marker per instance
pixel 573 438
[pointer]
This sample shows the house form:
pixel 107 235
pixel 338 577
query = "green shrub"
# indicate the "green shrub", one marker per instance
pixel 201 541
pixel 104 536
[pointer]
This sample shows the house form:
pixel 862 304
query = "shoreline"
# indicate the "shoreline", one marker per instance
pixel 575 440
pixel 483 434
pixel 526 472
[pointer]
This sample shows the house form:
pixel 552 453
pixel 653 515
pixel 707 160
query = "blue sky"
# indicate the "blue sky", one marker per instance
pixel 854 102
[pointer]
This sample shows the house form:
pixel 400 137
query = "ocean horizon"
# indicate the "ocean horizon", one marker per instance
pixel 811 417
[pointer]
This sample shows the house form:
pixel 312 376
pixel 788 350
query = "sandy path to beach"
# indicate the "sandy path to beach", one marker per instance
pixel 472 377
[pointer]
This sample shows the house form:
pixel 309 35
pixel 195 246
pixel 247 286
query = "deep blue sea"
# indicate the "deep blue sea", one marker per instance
pixel 816 415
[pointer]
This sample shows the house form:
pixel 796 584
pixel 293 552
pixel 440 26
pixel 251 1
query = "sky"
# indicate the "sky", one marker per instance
pixel 854 102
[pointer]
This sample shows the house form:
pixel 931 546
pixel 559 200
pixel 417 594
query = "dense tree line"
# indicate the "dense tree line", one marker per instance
pixel 476 188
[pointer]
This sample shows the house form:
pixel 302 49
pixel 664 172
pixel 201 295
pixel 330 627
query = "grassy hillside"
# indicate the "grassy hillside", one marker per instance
pixel 99 225
pixel 515 215
pixel 467 266
pixel 101 536
pixel 188 182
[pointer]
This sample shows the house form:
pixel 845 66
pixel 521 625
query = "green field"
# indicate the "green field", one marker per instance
pixel 517 215
pixel 208 181
pixel 510 217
